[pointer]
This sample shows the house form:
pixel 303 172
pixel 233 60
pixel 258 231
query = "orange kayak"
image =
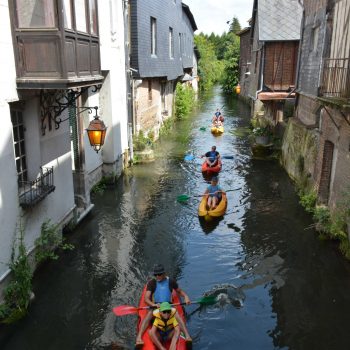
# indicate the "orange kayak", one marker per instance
pixel 148 345
pixel 211 170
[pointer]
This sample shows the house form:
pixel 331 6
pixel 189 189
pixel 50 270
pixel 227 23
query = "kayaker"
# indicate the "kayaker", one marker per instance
pixel 165 327
pixel 214 193
pixel 218 118
pixel 212 157
pixel 159 290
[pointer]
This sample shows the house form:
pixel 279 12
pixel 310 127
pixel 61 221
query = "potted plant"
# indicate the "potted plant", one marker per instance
pixel 261 135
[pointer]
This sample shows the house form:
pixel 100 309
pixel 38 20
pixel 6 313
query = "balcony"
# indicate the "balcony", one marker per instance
pixel 56 43
pixel 335 83
pixel 32 192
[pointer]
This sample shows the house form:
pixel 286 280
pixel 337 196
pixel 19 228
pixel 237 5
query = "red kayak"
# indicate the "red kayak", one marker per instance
pixel 211 170
pixel 181 344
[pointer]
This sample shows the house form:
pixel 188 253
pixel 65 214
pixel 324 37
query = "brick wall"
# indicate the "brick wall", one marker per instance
pixel 149 116
pixel 340 136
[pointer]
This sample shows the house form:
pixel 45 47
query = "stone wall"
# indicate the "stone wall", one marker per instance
pixel 307 109
pixel 299 152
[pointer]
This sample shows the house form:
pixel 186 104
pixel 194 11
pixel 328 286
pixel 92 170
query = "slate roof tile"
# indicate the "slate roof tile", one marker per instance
pixel 279 20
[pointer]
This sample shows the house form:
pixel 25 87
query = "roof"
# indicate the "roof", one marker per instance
pixel 279 20
pixel 189 14
pixel 244 30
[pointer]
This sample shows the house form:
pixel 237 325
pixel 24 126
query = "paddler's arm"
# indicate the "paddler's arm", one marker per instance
pixel 181 293
pixel 148 300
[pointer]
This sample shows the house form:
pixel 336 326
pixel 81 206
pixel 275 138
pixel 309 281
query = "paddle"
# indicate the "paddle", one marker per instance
pixel 185 197
pixel 123 310
pixel 189 157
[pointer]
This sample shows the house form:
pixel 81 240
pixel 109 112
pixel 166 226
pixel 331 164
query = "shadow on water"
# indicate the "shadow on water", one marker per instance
pixel 209 226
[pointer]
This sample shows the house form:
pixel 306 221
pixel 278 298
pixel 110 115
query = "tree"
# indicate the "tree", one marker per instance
pixel 235 26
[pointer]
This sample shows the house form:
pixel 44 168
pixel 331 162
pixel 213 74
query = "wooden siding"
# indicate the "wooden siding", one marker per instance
pixel 280 65
pixel 340 47
pixel 55 57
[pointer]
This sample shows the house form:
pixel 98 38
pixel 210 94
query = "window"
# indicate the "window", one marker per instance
pixel 67 13
pixel 153 36
pixel 314 39
pixel 36 13
pixel 171 43
pixel 80 15
pixel 180 45
pixel 18 142
pixel 93 17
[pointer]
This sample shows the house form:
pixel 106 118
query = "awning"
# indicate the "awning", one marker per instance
pixel 269 96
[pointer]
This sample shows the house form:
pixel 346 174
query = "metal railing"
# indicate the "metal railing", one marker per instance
pixel 32 192
pixel 336 79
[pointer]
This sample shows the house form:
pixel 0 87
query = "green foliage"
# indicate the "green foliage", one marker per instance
pixel 166 127
pixel 184 101
pixel 141 142
pixel 49 240
pixel 17 293
pixel 209 67
pixel 235 26
pixel 99 188
pixel 230 77
pixel 308 200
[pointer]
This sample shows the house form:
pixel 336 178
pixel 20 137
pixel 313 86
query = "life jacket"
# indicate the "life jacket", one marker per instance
pixel 162 292
pixel 212 155
pixel 165 325
pixel 213 189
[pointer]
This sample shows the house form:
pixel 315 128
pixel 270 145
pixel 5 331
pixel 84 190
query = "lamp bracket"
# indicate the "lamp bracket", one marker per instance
pixel 54 102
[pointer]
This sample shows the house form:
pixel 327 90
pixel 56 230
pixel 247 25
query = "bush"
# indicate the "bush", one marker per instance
pixel 141 142
pixel 308 200
pixel 49 240
pixel 184 101
pixel 17 293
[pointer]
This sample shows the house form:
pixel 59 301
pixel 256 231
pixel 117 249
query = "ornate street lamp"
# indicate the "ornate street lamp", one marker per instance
pixel 96 132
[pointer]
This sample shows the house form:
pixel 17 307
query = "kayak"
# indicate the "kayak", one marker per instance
pixel 217 130
pixel 211 170
pixel 217 212
pixel 148 345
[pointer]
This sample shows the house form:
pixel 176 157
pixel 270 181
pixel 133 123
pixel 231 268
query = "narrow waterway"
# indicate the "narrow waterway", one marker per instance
pixel 279 286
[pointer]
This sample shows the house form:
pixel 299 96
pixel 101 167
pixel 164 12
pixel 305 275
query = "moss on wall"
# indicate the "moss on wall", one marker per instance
pixel 299 152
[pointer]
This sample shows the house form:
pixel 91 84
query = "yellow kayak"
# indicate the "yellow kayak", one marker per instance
pixel 217 130
pixel 217 212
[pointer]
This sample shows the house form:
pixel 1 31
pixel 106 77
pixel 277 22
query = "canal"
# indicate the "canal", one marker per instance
pixel 279 286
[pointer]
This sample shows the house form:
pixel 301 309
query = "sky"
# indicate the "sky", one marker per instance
pixel 212 15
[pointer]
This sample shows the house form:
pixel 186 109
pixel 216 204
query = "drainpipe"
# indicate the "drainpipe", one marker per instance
pixel 262 67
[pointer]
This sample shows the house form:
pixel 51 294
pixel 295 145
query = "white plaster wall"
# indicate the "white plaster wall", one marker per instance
pixel 7 62
pixel 9 212
pixel 113 96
